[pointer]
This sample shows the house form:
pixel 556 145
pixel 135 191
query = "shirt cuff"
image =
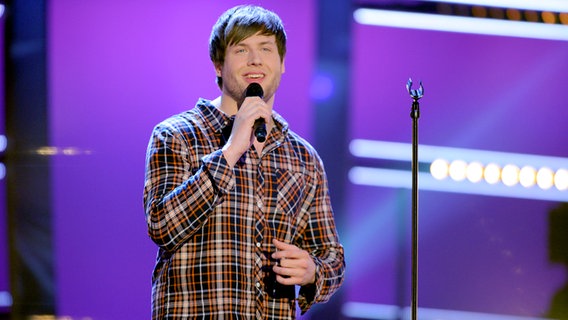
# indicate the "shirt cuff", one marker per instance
pixel 308 293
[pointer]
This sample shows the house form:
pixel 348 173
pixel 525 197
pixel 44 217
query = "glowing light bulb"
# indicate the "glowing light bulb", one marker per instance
pixel 439 169
pixel 545 178
pixel 458 170
pixel 492 173
pixel 510 175
pixel 474 172
pixel 561 179
pixel 527 176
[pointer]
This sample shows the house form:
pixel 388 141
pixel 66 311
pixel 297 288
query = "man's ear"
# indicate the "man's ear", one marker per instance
pixel 218 68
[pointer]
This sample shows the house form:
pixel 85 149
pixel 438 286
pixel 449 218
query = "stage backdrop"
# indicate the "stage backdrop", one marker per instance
pixel 481 253
pixel 117 68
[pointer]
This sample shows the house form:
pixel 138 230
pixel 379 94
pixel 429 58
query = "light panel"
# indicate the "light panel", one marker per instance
pixel 400 151
pixel 465 171
pixel 436 22
pixel 538 5
pixel 393 178
pixel 364 310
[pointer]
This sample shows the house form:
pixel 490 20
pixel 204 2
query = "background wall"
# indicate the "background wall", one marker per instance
pixel 116 68
pixel 477 253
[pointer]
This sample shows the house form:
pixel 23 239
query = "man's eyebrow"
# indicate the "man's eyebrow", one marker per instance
pixel 270 42
pixel 263 43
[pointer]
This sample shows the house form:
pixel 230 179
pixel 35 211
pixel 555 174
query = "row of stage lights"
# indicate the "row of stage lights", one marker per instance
pixel 481 172
pixel 540 19
pixel 510 175
pixel 477 11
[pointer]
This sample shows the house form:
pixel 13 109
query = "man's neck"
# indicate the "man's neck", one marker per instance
pixel 227 106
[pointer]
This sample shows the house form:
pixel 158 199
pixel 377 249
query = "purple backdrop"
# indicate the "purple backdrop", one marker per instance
pixel 116 69
pixel 485 254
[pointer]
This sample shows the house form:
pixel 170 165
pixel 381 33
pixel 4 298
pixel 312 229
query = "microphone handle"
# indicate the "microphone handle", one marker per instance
pixel 260 130
pixel 255 90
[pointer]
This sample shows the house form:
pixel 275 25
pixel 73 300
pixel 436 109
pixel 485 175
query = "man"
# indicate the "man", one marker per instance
pixel 239 222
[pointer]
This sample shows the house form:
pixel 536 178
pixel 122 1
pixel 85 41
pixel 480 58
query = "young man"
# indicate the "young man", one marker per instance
pixel 239 221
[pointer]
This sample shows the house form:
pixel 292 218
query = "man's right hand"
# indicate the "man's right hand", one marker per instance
pixel 242 136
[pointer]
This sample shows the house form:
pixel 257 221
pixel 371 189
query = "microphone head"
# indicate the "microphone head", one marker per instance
pixel 254 90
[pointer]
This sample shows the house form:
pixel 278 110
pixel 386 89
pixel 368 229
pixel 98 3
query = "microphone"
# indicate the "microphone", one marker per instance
pixel 255 90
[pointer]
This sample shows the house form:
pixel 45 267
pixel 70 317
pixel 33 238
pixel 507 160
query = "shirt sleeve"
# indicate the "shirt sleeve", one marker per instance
pixel 322 241
pixel 180 191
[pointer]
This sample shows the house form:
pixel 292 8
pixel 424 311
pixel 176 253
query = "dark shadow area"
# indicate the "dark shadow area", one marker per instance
pixel 558 253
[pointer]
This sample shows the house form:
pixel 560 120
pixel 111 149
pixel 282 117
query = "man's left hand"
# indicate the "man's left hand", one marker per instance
pixel 295 267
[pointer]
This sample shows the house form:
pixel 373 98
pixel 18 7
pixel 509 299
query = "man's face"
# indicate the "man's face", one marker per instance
pixel 255 59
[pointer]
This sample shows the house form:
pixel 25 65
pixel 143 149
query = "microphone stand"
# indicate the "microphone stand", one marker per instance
pixel 414 114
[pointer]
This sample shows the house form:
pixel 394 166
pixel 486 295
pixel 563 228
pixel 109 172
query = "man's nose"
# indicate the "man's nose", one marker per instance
pixel 254 58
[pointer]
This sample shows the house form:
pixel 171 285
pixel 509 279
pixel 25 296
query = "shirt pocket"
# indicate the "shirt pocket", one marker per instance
pixel 290 192
pixel 287 194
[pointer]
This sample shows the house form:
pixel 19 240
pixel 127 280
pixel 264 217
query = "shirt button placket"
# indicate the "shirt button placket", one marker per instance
pixel 258 254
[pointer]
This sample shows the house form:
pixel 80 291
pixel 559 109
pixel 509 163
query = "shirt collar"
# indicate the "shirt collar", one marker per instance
pixel 212 117
pixel 218 121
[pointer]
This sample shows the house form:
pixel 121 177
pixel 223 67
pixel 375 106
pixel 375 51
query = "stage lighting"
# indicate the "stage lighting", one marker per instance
pixel 561 179
pixel 545 178
pixel 474 172
pixel 439 169
pixel 510 175
pixel 492 173
pixel 458 170
pixel 527 176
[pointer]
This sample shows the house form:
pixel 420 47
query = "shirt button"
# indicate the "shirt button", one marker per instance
pixel 258 244
pixel 258 284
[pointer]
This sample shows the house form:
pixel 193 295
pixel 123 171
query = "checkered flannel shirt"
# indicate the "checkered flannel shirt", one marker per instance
pixel 214 225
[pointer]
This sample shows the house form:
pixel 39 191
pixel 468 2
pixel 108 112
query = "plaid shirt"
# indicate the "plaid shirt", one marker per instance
pixel 214 225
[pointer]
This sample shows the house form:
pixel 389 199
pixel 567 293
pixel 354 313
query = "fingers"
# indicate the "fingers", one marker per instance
pixel 287 251
pixel 288 280
pixel 283 246
pixel 252 109
pixel 292 271
pixel 295 265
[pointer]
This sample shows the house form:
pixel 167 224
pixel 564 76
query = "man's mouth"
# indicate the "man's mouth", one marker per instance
pixel 254 76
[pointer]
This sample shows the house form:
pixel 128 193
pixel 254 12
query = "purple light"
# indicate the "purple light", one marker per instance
pixel 322 87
